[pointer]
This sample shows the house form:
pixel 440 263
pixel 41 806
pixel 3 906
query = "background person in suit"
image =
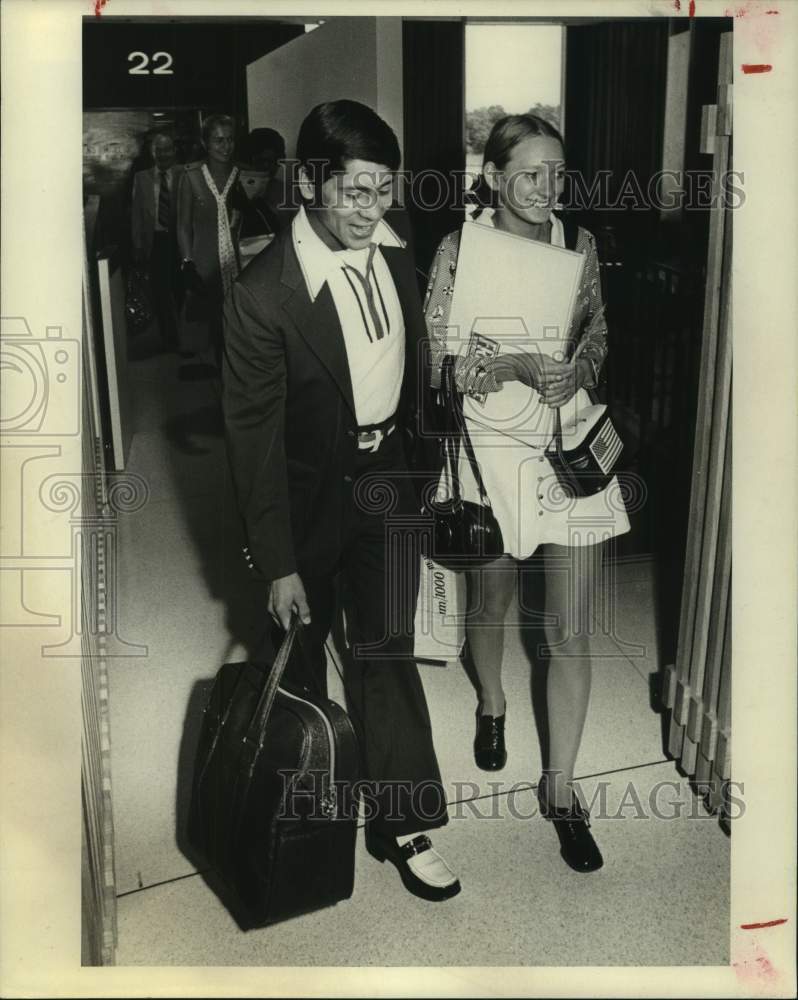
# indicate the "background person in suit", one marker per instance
pixel 322 336
pixel 154 233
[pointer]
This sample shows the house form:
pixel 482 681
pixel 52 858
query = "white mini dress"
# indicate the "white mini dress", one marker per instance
pixel 523 489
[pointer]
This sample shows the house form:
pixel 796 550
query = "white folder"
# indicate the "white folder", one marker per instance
pixel 512 295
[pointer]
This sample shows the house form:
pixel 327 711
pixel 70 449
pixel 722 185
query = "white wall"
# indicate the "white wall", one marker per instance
pixel 359 58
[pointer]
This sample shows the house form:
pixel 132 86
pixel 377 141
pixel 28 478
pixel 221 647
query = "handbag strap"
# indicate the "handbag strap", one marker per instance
pixel 557 438
pixel 451 439
pixel 458 431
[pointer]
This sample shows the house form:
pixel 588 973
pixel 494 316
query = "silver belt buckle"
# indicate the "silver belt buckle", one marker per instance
pixel 378 436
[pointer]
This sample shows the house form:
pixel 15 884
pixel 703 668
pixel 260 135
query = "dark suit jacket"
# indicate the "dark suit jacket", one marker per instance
pixel 289 411
pixel 142 219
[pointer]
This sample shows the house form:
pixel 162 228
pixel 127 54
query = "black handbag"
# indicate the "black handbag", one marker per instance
pixel 272 812
pixel 588 464
pixel 464 534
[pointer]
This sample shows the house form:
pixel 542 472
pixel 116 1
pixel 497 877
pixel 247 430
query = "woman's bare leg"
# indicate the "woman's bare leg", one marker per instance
pixel 490 590
pixel 573 575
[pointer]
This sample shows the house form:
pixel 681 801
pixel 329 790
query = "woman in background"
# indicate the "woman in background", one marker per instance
pixel 523 177
pixel 209 207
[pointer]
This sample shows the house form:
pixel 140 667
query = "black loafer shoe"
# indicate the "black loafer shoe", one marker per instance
pixel 490 753
pixel 421 869
pixel 577 846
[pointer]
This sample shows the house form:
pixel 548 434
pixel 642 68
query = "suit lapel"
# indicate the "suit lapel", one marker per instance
pixel 399 261
pixel 316 321
pixel 318 324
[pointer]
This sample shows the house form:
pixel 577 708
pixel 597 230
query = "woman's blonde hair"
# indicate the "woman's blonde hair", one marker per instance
pixel 210 123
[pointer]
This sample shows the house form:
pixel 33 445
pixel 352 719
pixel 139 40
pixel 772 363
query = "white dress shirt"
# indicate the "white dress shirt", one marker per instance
pixel 376 356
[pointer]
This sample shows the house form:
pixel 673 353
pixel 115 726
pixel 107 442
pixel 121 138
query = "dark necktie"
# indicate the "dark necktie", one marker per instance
pixel 365 284
pixel 163 202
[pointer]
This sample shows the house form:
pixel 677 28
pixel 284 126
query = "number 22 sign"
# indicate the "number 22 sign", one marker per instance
pixel 161 61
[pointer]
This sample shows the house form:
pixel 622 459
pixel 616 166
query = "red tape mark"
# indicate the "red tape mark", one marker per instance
pixel 766 923
pixel 756 67
pixel 691 11
pixel 98 7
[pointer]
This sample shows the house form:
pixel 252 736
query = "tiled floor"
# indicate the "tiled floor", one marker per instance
pixel 661 899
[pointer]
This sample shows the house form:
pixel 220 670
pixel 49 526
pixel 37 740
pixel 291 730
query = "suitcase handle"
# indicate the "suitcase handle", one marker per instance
pixel 256 730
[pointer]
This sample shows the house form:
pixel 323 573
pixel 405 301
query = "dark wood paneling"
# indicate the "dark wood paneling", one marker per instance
pixel 434 119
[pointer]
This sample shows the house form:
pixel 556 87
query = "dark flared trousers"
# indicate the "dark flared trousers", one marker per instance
pixel 376 586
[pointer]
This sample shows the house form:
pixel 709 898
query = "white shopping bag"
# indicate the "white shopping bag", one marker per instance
pixel 440 613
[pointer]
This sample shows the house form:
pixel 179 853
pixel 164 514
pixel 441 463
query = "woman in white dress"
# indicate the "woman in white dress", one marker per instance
pixel 523 177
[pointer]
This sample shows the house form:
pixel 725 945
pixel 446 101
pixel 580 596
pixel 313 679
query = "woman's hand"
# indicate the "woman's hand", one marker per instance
pixel 556 381
pixel 561 380
pixel 525 368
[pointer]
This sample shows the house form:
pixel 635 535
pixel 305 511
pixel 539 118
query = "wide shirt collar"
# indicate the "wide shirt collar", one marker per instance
pixel 318 261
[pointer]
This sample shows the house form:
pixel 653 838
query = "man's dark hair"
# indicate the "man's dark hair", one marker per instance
pixel 265 140
pixel 338 131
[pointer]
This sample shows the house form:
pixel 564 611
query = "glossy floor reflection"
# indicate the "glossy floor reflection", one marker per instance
pixel 184 594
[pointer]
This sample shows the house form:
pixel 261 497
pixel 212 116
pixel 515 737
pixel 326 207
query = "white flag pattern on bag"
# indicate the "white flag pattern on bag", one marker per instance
pixel 606 446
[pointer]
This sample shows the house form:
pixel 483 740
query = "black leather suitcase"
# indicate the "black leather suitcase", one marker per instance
pixel 273 812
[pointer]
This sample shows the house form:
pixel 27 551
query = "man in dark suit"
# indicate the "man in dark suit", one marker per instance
pixel 322 338
pixel 154 233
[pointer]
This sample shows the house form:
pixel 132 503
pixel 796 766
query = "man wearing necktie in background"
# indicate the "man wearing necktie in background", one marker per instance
pixel 154 225
pixel 323 336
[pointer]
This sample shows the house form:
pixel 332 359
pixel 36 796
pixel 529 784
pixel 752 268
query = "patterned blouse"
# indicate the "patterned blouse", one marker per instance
pixel 470 371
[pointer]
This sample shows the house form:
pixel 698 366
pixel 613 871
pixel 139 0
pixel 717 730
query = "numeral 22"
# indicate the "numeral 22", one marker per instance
pixel 141 68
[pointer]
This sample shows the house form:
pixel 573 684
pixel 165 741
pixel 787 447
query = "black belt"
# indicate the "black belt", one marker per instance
pixel 370 438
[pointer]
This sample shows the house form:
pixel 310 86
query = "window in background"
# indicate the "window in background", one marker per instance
pixel 509 69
